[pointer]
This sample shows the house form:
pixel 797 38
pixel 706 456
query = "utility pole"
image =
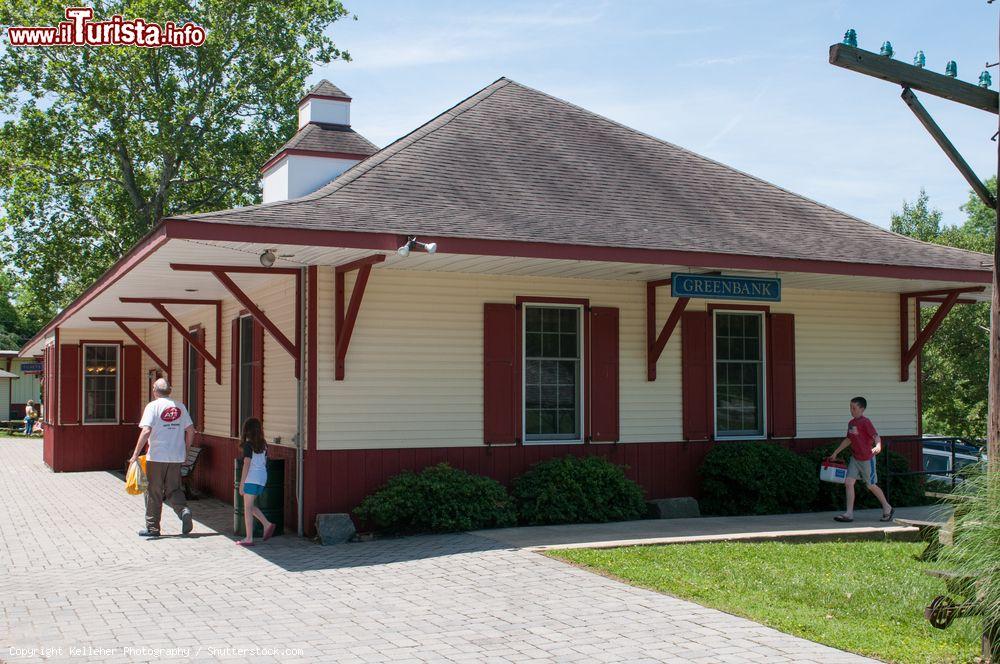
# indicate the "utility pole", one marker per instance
pixel 915 78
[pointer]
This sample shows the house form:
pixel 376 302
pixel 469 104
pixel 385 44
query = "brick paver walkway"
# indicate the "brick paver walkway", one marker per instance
pixel 77 584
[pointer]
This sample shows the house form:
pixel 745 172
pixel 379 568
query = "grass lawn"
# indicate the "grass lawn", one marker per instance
pixel 864 597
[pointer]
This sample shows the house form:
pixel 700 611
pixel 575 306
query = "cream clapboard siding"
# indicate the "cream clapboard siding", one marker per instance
pixel 415 366
pixel 277 300
pixel 26 386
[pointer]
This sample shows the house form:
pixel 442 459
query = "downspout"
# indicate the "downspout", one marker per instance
pixel 299 400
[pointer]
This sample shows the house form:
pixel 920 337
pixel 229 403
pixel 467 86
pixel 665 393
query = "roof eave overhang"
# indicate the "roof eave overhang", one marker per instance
pixel 194 229
pixel 291 152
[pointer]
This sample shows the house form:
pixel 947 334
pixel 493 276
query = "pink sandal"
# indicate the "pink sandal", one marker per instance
pixel 269 532
pixel 243 543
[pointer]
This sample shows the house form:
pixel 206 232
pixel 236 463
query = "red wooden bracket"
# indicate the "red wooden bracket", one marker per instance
pixel 656 343
pixel 222 272
pixel 159 303
pixel 344 321
pixel 120 322
pixel 947 298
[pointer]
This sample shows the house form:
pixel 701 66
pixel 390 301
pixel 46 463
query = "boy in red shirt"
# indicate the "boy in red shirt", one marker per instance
pixel 865 444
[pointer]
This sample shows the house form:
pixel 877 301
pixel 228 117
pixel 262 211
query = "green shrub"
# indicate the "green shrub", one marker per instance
pixel 756 478
pixel 438 499
pixel 574 490
pixel 903 491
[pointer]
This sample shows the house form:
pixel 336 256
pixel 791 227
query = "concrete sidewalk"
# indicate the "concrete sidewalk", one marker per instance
pixel 812 526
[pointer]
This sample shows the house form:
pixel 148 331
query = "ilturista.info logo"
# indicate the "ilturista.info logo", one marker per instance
pixel 79 29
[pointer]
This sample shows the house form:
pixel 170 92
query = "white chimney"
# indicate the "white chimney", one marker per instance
pixel 323 147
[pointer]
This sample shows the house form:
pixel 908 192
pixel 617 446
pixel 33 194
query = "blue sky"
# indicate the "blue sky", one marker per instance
pixel 745 82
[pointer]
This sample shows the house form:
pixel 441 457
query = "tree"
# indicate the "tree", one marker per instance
pixel 106 141
pixel 918 220
pixel 13 329
pixel 955 362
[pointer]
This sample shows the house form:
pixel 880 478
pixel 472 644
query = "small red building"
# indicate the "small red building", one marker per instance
pixel 517 278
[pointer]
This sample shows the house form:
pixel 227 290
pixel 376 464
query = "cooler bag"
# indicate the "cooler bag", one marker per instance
pixel 833 471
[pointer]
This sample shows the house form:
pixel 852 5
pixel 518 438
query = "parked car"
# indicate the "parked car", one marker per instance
pixel 937 456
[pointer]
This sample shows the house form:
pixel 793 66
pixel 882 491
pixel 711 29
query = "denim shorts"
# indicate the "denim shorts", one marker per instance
pixel 252 489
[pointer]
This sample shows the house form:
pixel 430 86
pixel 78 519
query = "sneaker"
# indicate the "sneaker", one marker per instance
pixel 187 523
pixel 149 534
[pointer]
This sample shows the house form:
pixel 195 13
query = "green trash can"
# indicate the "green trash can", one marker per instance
pixel 271 501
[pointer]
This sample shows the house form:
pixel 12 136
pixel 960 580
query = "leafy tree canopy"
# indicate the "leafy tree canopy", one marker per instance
pixel 105 141
pixel 956 359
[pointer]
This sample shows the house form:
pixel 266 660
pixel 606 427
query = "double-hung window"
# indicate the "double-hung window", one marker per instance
pixel 553 373
pixel 193 378
pixel 739 374
pixel 100 383
pixel 246 368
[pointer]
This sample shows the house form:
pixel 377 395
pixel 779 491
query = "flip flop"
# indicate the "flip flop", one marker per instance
pixel 242 543
pixel 888 517
pixel 269 532
pixel 843 518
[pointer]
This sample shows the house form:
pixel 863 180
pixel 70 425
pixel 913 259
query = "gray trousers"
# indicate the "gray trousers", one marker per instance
pixel 164 487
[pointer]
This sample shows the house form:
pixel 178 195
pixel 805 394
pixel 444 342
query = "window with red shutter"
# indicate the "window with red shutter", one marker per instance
pixel 70 380
pixel 695 376
pixel 500 374
pixel 603 406
pixel 132 384
pixel 258 371
pixel 781 375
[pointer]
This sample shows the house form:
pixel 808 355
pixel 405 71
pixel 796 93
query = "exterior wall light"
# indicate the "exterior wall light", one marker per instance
pixel 267 258
pixel 412 242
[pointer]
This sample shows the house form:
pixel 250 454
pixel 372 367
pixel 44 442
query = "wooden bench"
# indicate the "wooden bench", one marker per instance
pixel 187 470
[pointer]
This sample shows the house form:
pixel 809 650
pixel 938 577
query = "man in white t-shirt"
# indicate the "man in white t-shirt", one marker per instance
pixel 167 427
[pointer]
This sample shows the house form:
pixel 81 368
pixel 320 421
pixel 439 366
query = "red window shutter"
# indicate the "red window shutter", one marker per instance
pixel 234 380
pixel 500 364
pixel 70 381
pixel 603 405
pixel 201 380
pixel 258 371
pixel 781 375
pixel 49 382
pixel 131 384
pixel 696 374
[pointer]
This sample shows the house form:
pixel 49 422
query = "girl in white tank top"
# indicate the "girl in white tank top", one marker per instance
pixel 254 451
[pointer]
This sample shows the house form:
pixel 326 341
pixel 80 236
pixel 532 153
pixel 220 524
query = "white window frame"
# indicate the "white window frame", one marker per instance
pixel 191 354
pixel 763 375
pixel 241 386
pixel 580 341
pixel 83 384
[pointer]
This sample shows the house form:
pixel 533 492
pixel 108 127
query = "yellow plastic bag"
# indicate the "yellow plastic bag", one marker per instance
pixel 135 479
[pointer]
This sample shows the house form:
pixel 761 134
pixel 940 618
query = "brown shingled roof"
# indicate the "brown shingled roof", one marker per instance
pixel 512 163
pixel 326 89
pixel 323 137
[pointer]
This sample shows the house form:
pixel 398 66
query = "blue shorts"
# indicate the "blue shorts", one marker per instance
pixel 252 489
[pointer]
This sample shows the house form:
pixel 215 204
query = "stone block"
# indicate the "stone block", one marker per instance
pixel 674 508
pixel 334 528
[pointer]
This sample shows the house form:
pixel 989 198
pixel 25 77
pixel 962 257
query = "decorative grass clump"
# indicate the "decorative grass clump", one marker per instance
pixel 976 549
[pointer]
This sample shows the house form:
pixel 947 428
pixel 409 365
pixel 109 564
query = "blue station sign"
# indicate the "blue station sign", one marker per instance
pixel 32 367
pixel 720 287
